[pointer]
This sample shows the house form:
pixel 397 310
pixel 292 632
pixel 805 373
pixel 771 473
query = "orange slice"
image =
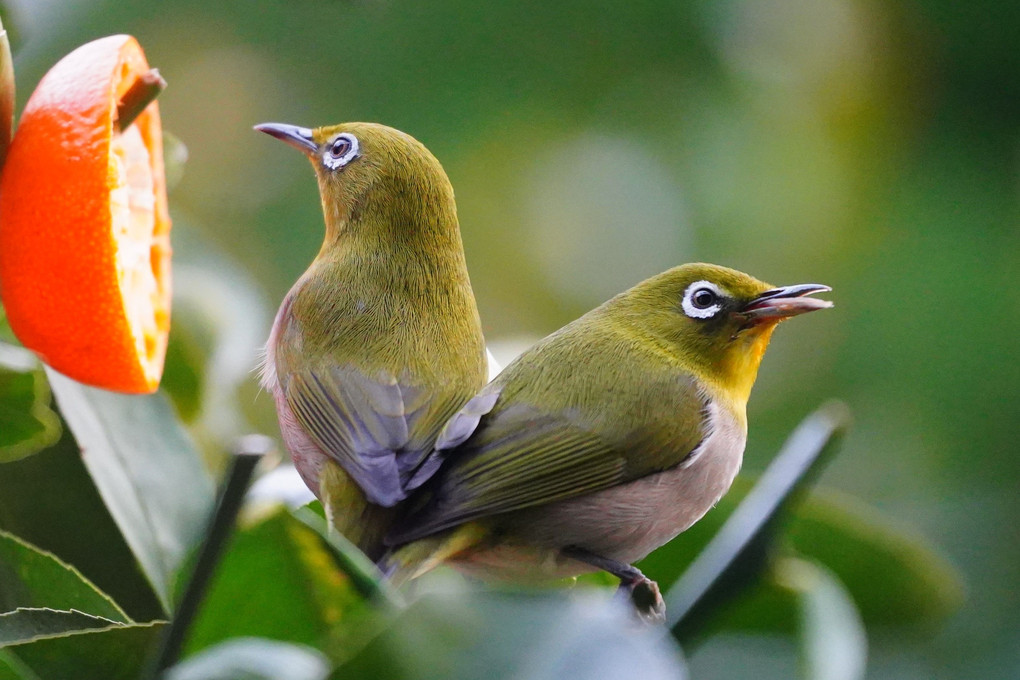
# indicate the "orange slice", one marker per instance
pixel 84 227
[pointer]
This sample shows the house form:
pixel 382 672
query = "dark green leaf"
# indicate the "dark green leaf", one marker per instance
pixel 834 645
pixel 30 624
pixel 765 608
pixel 115 653
pixel 30 577
pixel 252 659
pixel 50 501
pixel 894 575
pixel 545 635
pixel 6 95
pixel 737 555
pixel 277 580
pixel 146 469
pixel 184 371
pixel 27 424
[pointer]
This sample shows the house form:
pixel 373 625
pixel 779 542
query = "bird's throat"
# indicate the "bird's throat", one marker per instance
pixel 740 367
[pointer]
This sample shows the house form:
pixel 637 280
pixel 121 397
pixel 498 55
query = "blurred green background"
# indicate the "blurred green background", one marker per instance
pixel 874 147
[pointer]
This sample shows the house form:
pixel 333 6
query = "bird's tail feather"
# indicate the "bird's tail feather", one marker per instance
pixel 410 561
pixel 348 511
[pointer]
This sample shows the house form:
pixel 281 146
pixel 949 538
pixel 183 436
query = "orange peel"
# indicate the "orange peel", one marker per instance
pixel 85 272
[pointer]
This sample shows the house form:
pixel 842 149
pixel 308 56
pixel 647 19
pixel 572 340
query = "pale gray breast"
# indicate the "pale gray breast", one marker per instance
pixel 627 522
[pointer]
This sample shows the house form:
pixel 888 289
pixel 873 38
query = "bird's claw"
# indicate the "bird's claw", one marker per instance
pixel 647 600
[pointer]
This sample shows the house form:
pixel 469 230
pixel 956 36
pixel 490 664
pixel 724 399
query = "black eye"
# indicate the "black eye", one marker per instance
pixel 341 151
pixel 703 298
pixel 341 145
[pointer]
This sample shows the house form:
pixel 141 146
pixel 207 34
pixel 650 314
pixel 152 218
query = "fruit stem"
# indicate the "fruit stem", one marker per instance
pixel 142 92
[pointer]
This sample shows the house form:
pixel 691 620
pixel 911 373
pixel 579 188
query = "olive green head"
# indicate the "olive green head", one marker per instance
pixel 373 173
pixel 716 320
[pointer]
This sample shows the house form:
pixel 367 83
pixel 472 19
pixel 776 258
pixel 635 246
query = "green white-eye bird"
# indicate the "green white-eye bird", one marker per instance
pixel 379 342
pixel 603 441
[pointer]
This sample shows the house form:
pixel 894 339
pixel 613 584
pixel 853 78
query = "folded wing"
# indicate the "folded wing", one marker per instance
pixel 378 429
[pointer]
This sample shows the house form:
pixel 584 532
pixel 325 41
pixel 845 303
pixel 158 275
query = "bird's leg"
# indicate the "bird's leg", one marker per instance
pixel 638 588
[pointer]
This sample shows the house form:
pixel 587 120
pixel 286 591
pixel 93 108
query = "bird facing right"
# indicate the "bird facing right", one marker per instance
pixel 603 441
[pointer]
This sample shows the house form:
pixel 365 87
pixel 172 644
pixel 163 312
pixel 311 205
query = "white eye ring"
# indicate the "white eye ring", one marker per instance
pixel 336 155
pixel 699 312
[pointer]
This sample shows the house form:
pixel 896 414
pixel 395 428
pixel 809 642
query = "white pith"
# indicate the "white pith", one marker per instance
pixel 133 212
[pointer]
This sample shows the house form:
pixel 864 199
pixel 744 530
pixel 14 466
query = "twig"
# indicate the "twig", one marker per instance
pixel 142 92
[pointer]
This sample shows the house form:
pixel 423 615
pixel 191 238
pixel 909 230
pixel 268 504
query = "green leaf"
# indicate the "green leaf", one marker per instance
pixel 11 668
pixel 29 624
pixel 6 334
pixel 894 575
pixel 278 579
pixel 363 573
pixel 834 645
pixel 460 634
pixel 147 471
pixel 50 501
pixel 184 371
pixel 27 424
pixel 6 95
pixel 252 659
pixel 765 608
pixel 114 653
pixel 30 577
pixel 738 554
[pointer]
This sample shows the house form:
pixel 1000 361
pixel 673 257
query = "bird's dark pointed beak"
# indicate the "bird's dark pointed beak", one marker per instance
pixel 298 137
pixel 781 303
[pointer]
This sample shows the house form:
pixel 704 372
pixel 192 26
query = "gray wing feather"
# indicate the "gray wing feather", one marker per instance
pixel 455 432
pixel 374 428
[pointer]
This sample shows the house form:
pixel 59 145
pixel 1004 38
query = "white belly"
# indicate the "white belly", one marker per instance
pixel 625 522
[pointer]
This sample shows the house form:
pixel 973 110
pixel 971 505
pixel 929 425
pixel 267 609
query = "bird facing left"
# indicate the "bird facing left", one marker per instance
pixel 379 342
